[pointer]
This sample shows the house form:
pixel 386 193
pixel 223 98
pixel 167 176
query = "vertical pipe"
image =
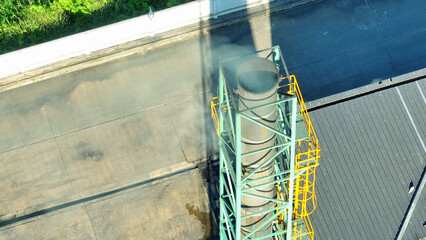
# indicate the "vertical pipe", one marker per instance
pixel 257 80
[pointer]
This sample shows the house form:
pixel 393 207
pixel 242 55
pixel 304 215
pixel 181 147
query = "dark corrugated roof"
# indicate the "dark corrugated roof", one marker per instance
pixel 370 154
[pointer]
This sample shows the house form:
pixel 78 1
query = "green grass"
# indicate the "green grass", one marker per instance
pixel 29 22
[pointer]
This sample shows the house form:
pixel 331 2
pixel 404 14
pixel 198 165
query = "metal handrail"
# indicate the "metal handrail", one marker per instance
pixel 310 156
pixel 294 88
pixel 215 116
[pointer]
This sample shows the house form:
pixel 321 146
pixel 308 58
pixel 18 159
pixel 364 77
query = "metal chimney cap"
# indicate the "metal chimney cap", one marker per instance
pixel 257 75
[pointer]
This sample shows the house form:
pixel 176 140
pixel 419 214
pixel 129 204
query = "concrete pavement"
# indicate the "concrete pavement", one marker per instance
pixel 84 133
pixel 163 209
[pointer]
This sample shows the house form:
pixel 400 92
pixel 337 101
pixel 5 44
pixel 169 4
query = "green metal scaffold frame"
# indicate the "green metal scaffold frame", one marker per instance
pixel 234 183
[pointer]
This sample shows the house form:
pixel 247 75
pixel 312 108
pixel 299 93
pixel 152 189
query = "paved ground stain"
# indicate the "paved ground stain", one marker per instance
pixel 205 219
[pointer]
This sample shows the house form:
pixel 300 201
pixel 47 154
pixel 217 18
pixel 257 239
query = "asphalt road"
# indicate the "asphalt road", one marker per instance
pixel 87 132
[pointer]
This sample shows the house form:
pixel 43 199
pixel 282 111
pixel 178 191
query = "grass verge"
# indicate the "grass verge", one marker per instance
pixel 28 22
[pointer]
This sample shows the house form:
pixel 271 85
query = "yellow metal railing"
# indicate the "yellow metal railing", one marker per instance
pixel 309 228
pixel 294 88
pixel 300 231
pixel 214 103
pixel 305 200
pixel 280 194
pixel 307 154
pixel 306 159
pixel 308 150
pixel 215 116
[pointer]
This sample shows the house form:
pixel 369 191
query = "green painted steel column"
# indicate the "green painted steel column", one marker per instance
pixel 238 173
pixel 221 209
pixel 292 163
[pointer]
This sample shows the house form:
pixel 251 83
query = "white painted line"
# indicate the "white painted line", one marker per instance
pixel 412 206
pixel 421 92
pixel 411 119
